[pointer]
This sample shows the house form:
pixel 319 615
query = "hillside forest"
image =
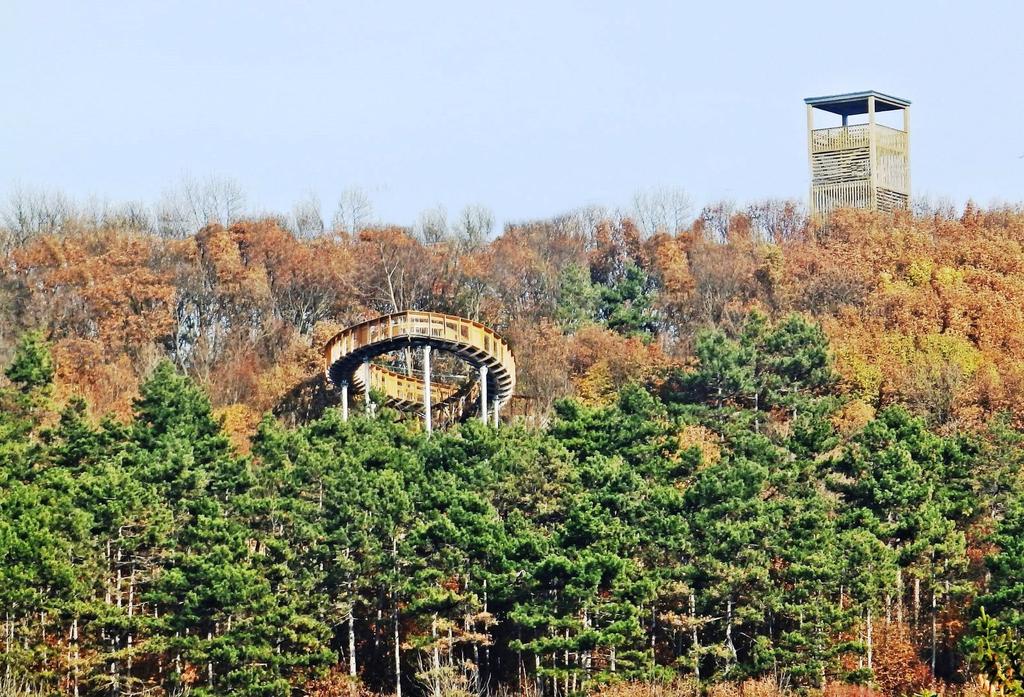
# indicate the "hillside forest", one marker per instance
pixel 750 454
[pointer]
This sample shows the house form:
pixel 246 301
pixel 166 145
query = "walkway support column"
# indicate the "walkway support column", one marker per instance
pixel 366 387
pixel 344 400
pixel 426 389
pixel 483 393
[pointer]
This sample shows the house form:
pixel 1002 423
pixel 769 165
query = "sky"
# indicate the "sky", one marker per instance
pixel 531 108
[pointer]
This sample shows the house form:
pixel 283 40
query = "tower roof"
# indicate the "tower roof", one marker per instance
pixel 856 103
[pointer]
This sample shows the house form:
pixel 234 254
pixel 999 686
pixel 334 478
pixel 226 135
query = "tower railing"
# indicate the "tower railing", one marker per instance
pixel 349 354
pixel 857 136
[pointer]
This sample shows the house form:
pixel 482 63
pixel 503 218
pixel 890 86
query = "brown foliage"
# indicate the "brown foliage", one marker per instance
pixel 108 382
pixel 602 362
pixel 898 669
pixel 926 310
pixel 104 286
pixel 764 687
pixel 336 684
pixel 542 361
pixel 837 689
pixel 676 688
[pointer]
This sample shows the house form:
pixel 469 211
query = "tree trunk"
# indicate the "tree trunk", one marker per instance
pixel 522 665
pixel 728 632
pixel 209 665
pixel 565 658
pixel 899 596
pixel 394 618
pixel 75 656
pixel 696 638
pixel 536 674
pixel 177 658
pixel 436 657
pixel 352 641
pixel 917 602
pixel 487 633
pixel 585 658
pixel 131 614
pixel 398 654
pixel 8 640
pixel 654 631
pixel 935 634
pixel 378 627
pixel 869 638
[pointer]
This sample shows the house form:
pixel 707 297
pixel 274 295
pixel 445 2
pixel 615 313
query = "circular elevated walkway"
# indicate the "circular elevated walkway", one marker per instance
pixel 346 354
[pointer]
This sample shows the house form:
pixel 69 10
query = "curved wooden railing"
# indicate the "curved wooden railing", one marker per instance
pixel 478 345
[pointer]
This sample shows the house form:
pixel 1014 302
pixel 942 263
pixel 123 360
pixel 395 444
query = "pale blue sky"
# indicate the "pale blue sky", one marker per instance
pixel 531 108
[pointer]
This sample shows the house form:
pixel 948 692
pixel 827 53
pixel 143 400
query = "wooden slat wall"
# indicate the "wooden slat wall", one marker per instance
pixel 829 197
pixel 889 200
pixel 841 168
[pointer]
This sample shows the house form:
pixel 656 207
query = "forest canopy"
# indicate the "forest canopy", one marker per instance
pixel 922 309
pixel 753 448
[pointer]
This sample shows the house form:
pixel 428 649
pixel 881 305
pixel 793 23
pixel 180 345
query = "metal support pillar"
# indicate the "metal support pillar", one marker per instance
pixel 366 387
pixel 426 389
pixel 483 393
pixel 344 400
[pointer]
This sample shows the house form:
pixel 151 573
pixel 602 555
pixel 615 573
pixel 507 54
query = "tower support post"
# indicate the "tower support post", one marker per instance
pixel 344 400
pixel 906 129
pixel 810 155
pixel 873 154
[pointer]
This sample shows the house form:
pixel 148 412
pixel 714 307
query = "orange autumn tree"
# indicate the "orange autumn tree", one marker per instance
pixel 107 300
pixel 926 310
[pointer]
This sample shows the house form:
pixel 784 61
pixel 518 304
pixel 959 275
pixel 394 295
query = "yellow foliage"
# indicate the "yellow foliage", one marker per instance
pixel 704 439
pixel 863 377
pixel 240 421
pixel 920 272
pixel 885 281
pixel 934 350
pixel 595 387
pixel 853 416
pixel 946 276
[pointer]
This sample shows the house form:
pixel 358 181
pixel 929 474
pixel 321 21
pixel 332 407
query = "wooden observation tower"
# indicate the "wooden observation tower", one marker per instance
pixel 862 165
